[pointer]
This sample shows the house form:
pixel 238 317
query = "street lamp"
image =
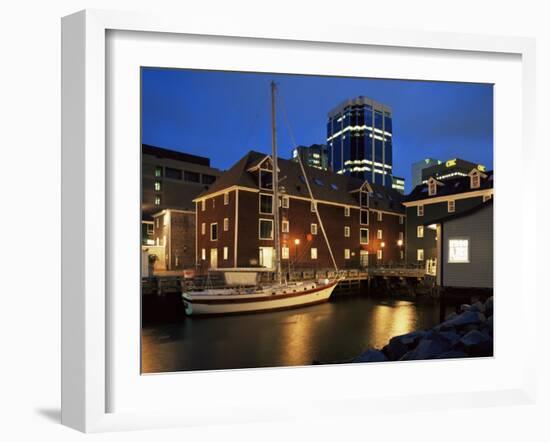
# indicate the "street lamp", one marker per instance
pixel 296 244
pixel 382 244
pixel 400 242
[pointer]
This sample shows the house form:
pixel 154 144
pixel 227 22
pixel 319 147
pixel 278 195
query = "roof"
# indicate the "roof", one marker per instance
pixel 325 185
pixel 477 208
pixel 451 186
pixel 161 152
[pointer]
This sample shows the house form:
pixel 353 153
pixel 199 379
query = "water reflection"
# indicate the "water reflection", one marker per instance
pixel 334 331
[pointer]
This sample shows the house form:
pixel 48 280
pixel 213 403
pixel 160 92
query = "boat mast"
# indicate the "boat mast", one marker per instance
pixel 275 175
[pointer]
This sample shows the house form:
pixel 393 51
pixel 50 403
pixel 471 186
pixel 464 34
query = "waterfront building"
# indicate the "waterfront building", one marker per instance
pixel 359 136
pixel 398 184
pixel 364 222
pixel 465 252
pixel 315 155
pixel 418 167
pixel 452 168
pixel 434 200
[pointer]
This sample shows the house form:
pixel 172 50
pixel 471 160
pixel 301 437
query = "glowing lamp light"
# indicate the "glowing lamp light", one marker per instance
pixel 297 241
pixel 382 244
pixel 399 242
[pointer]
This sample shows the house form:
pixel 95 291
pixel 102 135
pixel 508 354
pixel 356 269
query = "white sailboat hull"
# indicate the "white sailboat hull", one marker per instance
pixel 220 302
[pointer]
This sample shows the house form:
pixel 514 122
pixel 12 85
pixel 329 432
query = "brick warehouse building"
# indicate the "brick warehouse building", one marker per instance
pixel 364 222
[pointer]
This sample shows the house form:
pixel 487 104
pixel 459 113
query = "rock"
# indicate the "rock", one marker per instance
pixel 477 307
pixel 488 326
pixel 395 349
pixel 489 306
pixel 411 339
pixel 452 354
pixel 476 343
pixel 465 307
pixel 426 349
pixel 451 316
pixel 462 320
pixel 371 355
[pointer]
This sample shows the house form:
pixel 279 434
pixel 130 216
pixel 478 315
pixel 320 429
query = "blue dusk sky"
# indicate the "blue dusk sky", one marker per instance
pixel 223 115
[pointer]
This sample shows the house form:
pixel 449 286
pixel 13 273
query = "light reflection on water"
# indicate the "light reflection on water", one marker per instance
pixel 334 331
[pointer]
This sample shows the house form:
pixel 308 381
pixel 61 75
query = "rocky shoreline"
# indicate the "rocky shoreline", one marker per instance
pixel 463 335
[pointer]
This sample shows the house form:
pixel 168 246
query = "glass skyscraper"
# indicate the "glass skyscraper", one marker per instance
pixel 359 136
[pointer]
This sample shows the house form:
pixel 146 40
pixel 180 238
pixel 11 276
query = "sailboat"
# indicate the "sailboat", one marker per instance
pixel 278 295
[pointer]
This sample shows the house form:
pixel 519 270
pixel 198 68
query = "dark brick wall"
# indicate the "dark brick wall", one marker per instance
pixel 182 236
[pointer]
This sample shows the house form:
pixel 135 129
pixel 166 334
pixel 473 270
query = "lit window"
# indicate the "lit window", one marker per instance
pixel 157 222
pixel 420 232
pixel 474 180
pixel 165 220
pixel 266 229
pixel 226 198
pixel 379 234
pixel 432 188
pixel 225 224
pixel 379 216
pixel 346 254
pixel 313 205
pixel 459 250
pixel 266 203
pixel 157 186
pixel 203 205
pixel 285 202
pixel 401 254
pixel 313 229
pixel 157 200
pixel 450 206
pixel 214 232
pixel 285 227
pixel 203 229
pixel 214 203
pixel 420 254
pixel 313 253
pixel 401 220
pixel 203 254
pixel 225 253
pixel 150 229
pixel 379 254
pixel 364 236
pixel 346 231
pixel 400 236
pixel 285 252
pixel 158 171
pixel 420 210
pixel 346 211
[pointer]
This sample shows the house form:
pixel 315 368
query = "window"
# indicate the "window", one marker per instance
pixel 420 210
pixel 313 229
pixel 192 177
pixel 363 236
pixel 150 229
pixel 487 197
pixel 225 224
pixel 474 180
pixel 450 206
pixel 225 253
pixel 157 222
pixel 420 232
pixel 379 234
pixel 285 202
pixel 401 220
pixel 266 203
pixel 459 250
pixel 226 198
pixel 401 254
pixel 174 174
pixel 266 229
pixel 285 252
pixel 346 211
pixel 203 205
pixel 266 179
pixel 346 231
pixel 346 254
pixel 318 181
pixel 157 200
pixel 158 171
pixel 214 202
pixel 285 227
pixel 203 254
pixel 313 253
pixel 400 236
pixel 420 254
pixel 165 220
pixel 364 215
pixel 203 229
pixel 432 188
pixel 208 179
pixel 313 205
pixel 379 254
pixel 379 216
pixel 214 232
pixel 158 186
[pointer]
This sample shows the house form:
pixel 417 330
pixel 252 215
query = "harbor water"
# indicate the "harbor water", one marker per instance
pixel 334 331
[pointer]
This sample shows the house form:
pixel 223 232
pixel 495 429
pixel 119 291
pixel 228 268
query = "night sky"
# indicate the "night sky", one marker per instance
pixel 223 115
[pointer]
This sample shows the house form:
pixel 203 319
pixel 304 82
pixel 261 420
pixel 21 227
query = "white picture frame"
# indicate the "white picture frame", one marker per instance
pixel 87 211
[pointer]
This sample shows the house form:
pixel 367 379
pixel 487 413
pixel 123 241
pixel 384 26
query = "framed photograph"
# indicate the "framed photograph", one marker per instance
pixel 280 223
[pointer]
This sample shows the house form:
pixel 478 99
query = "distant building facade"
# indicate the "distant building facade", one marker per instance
pixel 453 168
pixel 418 167
pixel 364 222
pixel 434 200
pixel 315 155
pixel 398 184
pixel 359 136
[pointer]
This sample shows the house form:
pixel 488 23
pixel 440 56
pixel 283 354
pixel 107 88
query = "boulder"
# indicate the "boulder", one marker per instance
pixel 476 343
pixel 452 354
pixel 465 307
pixel 462 320
pixel 371 355
pixel 395 349
pixel 426 349
pixel 489 306
pixel 451 316
pixel 477 307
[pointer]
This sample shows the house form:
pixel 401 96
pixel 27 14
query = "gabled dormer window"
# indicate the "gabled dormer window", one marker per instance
pixel 432 187
pixel 475 180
